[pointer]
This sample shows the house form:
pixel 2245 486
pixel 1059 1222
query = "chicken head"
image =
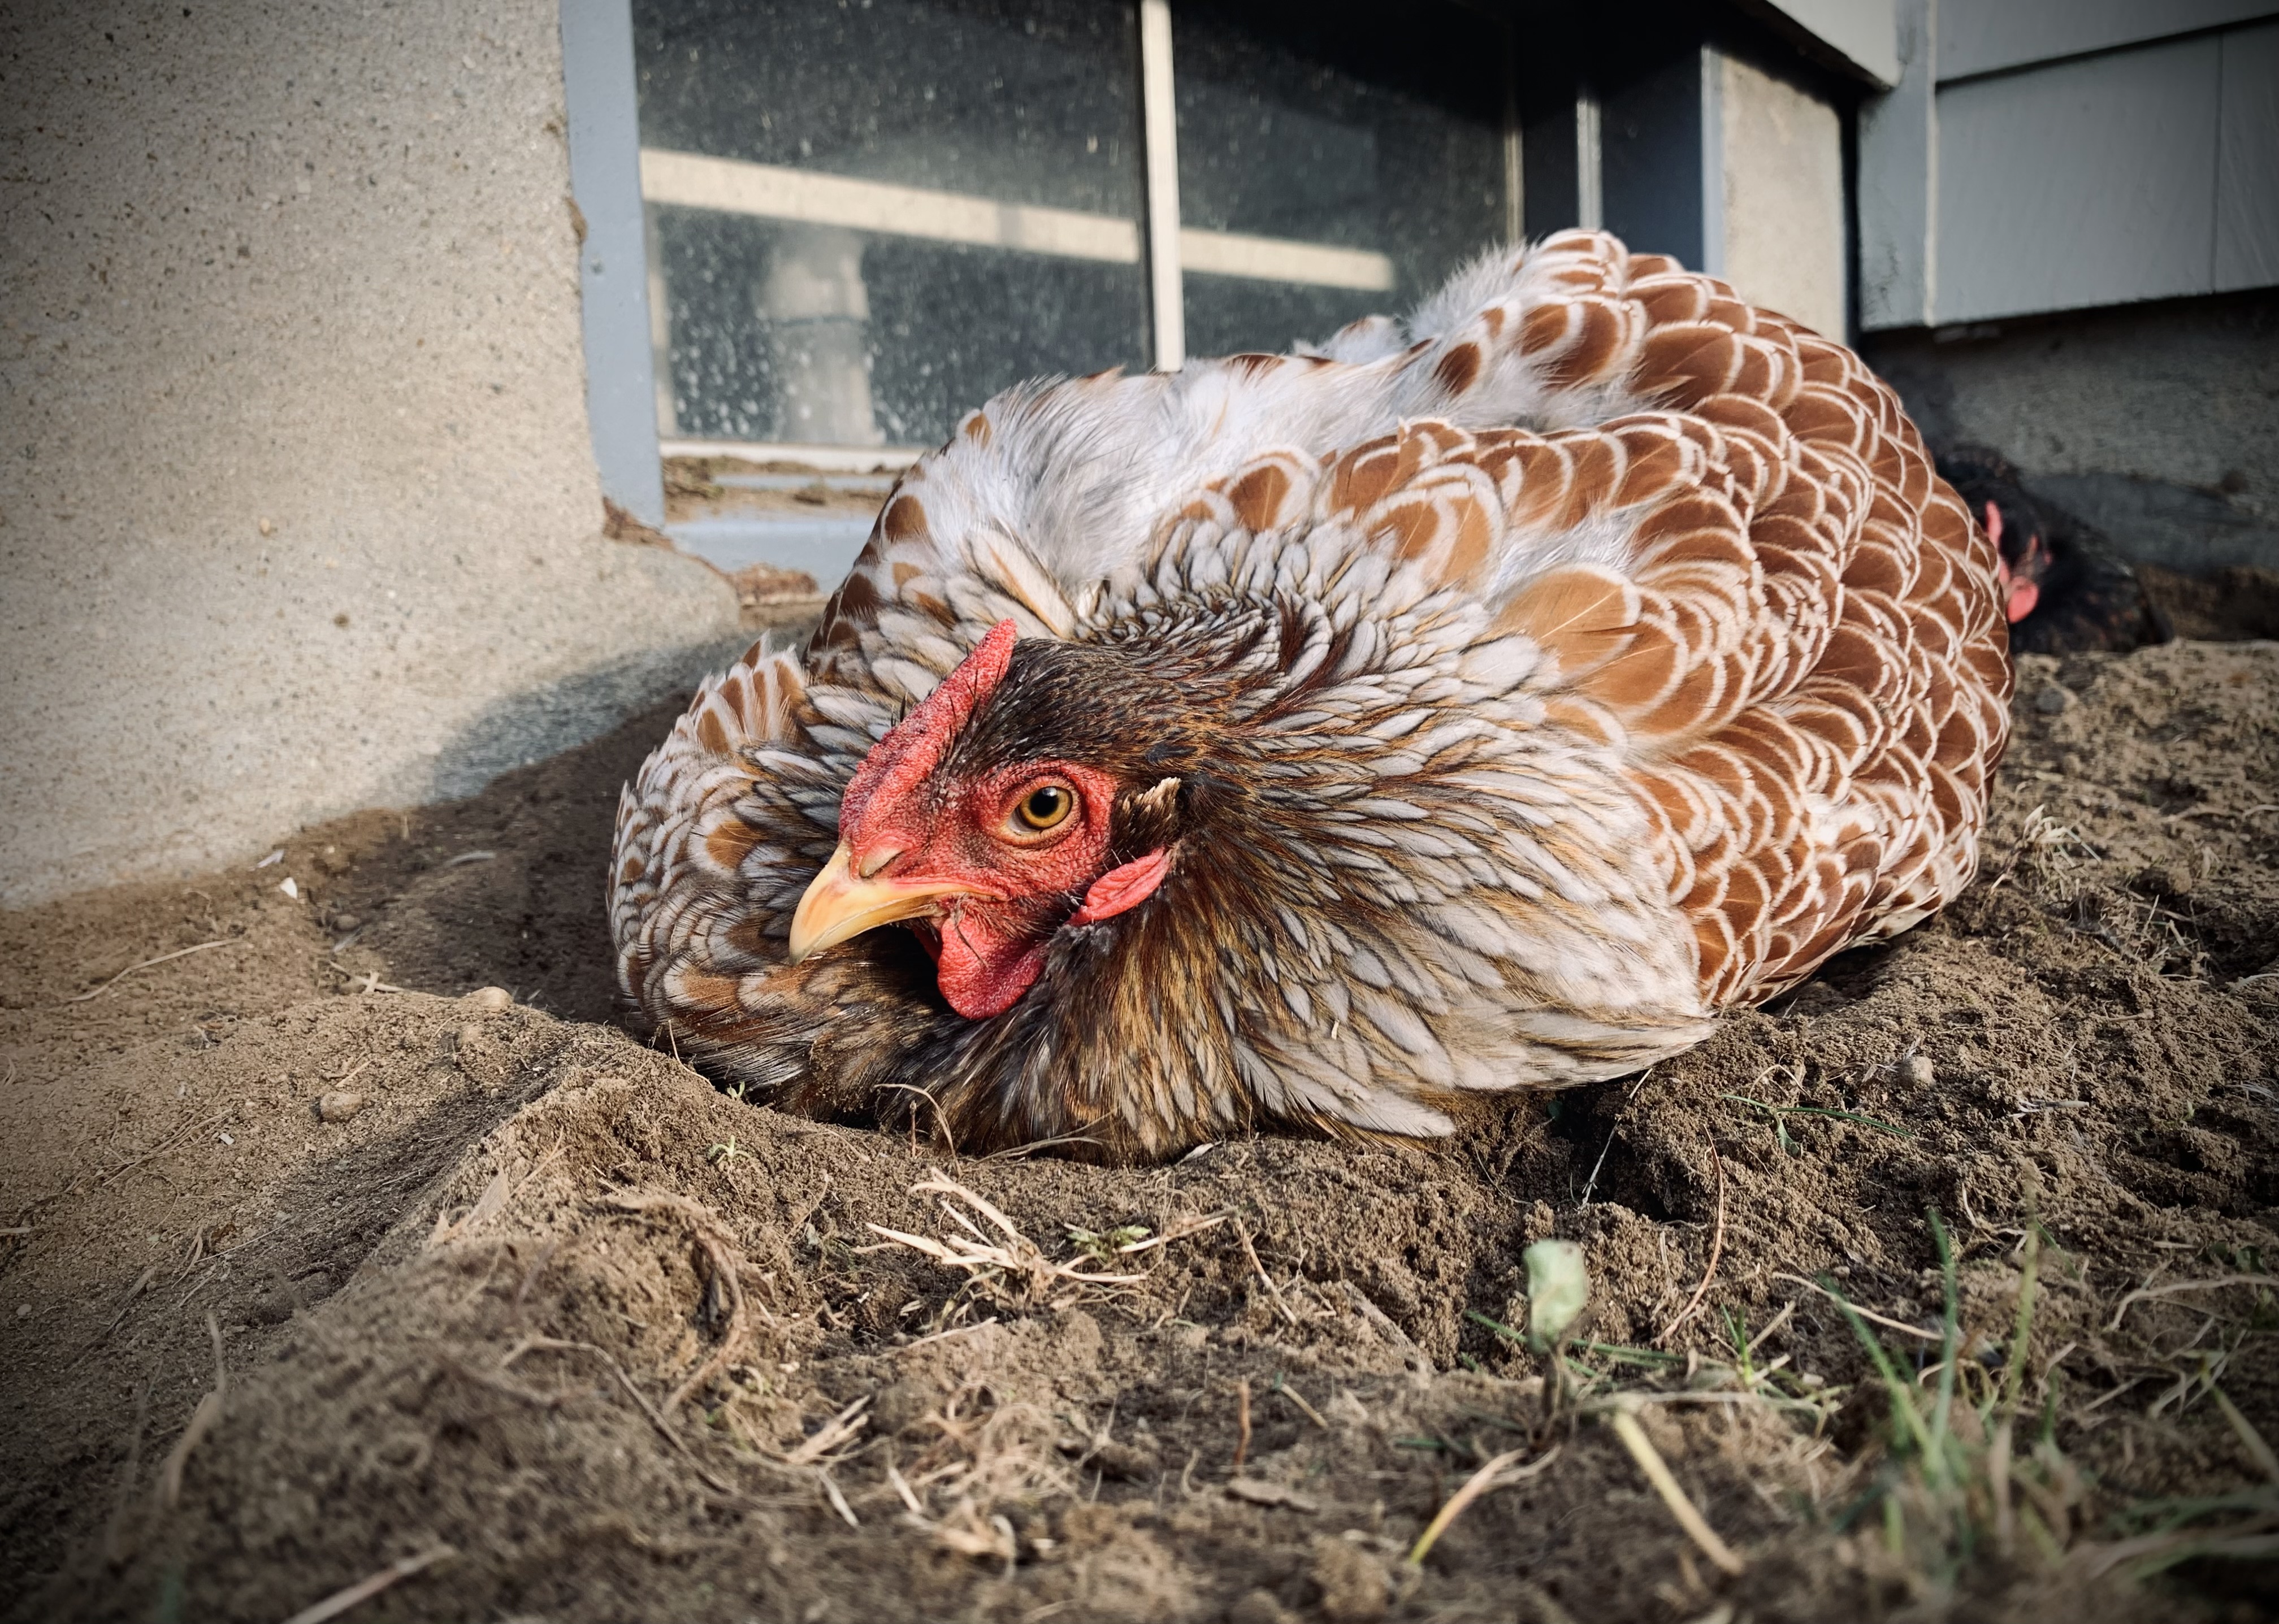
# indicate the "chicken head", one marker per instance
pixel 986 848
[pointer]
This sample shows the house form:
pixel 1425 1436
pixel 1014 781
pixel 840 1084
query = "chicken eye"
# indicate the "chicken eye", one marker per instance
pixel 1045 807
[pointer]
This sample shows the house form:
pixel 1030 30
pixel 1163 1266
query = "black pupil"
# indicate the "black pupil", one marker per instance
pixel 1045 805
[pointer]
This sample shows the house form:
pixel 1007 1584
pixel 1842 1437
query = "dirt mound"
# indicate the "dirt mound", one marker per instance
pixel 624 1346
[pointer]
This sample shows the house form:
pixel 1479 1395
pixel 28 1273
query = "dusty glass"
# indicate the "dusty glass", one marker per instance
pixel 1375 130
pixel 938 198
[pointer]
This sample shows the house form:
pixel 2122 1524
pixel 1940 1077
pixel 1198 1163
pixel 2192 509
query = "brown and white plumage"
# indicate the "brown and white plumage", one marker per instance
pixel 1505 693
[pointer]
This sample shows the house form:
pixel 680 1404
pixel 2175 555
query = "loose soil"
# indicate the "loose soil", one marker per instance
pixel 632 1348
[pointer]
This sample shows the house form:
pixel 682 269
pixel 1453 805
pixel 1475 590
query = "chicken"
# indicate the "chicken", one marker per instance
pixel 1331 740
pixel 2065 585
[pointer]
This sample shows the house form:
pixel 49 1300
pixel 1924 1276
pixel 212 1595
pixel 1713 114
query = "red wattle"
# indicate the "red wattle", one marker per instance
pixel 1122 887
pixel 979 984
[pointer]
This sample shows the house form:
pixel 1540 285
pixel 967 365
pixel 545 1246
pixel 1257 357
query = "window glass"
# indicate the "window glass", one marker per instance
pixel 924 202
pixel 1377 131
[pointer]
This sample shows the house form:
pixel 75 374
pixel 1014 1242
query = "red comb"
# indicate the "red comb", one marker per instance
pixel 900 762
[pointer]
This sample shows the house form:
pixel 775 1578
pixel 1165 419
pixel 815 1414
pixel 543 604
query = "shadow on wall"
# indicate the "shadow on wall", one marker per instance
pixel 2157 423
pixel 520 729
pixel 2152 521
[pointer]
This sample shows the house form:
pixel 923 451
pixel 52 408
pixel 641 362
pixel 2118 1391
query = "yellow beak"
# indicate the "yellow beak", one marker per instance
pixel 840 904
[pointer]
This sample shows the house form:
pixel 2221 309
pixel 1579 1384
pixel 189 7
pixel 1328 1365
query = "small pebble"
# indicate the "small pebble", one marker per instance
pixel 1916 1072
pixel 23 1311
pixel 339 1105
pixel 490 1000
pixel 2054 700
pixel 345 922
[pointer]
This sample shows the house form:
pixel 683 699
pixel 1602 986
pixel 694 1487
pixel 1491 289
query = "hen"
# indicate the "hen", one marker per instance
pixel 1329 739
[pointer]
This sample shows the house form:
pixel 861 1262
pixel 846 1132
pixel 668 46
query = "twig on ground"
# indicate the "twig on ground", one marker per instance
pixel 201 1422
pixel 1657 1473
pixel 1591 1182
pixel 1787 1313
pixel 1241 1422
pixel 663 1427
pixel 1292 1394
pixel 364 1589
pixel 133 1295
pixel 2144 1294
pixel 164 1146
pixel 1492 1476
pixel 940 1117
pixel 179 953
pixel 1866 1313
pixel 1385 1325
pixel 1716 1250
pixel 1273 1291
pixel 955 1331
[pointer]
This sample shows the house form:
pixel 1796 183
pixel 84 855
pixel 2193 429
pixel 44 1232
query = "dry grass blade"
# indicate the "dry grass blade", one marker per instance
pixel 1273 1291
pixel 179 953
pixel 726 1261
pixel 1009 1266
pixel 2258 1448
pixel 1193 1225
pixel 1708 1269
pixel 840 1430
pixel 1492 1476
pixel 364 1589
pixel 1657 1473
pixel 2167 1548
pixel 201 1422
pixel 2146 1294
pixel 979 1460
pixel 170 1475
pixel 1885 1320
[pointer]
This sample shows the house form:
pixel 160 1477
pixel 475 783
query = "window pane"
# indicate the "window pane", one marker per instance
pixel 855 277
pixel 1377 131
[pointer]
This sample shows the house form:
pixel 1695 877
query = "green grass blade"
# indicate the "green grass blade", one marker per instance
pixel 1902 1396
pixel 1950 1324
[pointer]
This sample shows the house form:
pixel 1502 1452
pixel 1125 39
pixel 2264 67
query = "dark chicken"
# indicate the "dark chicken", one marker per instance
pixel 2065 586
pixel 1329 739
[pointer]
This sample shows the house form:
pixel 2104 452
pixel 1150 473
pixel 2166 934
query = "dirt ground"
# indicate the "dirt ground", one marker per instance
pixel 540 1325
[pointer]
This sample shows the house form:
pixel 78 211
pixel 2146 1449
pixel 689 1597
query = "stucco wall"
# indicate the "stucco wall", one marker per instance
pixel 297 505
pixel 2160 423
pixel 1783 196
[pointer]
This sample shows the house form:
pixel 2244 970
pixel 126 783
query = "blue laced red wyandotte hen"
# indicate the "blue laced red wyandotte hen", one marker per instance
pixel 1327 741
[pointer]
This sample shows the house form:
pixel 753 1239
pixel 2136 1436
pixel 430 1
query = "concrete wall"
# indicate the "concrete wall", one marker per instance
pixel 2160 423
pixel 298 510
pixel 1783 195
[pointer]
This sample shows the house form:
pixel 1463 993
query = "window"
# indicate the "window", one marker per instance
pixel 867 216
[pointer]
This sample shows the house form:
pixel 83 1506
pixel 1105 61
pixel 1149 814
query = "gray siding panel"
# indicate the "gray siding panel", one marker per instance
pixel 2247 172
pixel 1979 36
pixel 2084 183
pixel 1898 139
